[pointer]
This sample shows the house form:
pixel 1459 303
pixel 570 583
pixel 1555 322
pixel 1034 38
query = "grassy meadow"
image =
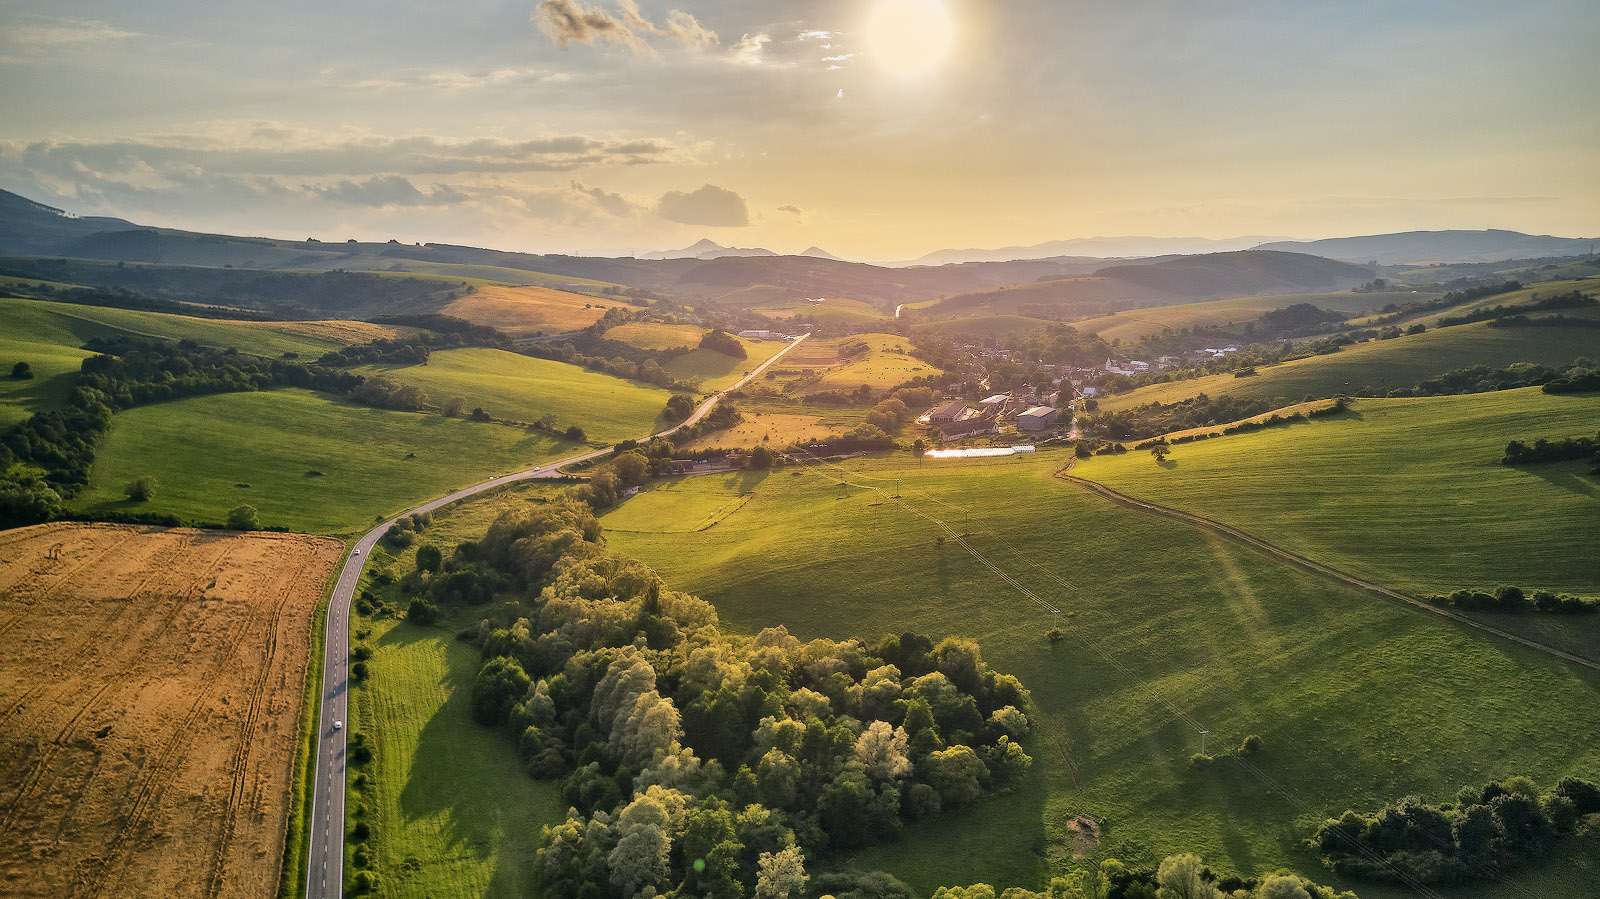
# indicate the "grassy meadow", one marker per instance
pixel 819 365
pixel 1359 701
pixel 1514 298
pixel 1408 493
pixel 1400 362
pixel 657 335
pixel 212 453
pixel 1136 324
pixel 521 311
pixel 521 388
pixel 716 370
pixel 71 324
pixel 983 326
pixel 452 809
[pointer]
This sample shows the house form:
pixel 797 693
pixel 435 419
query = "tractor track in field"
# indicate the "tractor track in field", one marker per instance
pixel 241 752
pixel 163 765
pixel 1300 561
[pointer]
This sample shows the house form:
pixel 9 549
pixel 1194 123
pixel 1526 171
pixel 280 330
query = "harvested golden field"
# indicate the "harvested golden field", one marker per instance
pixel 523 311
pixel 150 697
pixel 657 335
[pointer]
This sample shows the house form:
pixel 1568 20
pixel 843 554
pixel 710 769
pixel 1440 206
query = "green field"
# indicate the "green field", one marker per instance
pixel 1359 700
pixel 514 387
pixel 1408 493
pixel 984 326
pixel 452 809
pixel 72 324
pixel 1514 298
pixel 657 335
pixel 482 274
pixel 1401 362
pixel 1136 324
pixel 201 449
pixel 717 371
pixel 54 369
pixel 828 365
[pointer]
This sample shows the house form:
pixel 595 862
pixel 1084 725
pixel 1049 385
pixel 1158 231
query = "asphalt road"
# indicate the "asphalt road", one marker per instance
pixel 325 860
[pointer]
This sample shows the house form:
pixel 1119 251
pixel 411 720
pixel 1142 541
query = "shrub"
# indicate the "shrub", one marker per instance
pixel 243 518
pixel 141 490
pixel 22 371
pixel 1250 746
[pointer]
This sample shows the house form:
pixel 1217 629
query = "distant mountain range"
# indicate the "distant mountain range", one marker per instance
pixel 706 248
pixel 1440 246
pixel 50 244
pixel 1095 247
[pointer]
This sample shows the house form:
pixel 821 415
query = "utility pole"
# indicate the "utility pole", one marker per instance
pixel 1203 741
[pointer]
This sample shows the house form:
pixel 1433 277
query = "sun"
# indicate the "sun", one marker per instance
pixel 910 38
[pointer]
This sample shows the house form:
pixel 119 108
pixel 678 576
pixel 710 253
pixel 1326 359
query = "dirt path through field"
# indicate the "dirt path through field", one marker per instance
pixel 1317 567
pixel 150 693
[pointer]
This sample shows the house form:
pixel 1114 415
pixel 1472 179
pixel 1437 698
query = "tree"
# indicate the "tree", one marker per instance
pixel 1282 886
pixel 1183 877
pixel 679 406
pixel 142 490
pixel 22 371
pixel 499 684
pixel 575 434
pixel 957 773
pixel 720 341
pixel 881 749
pixel 761 458
pixel 1250 746
pixel 452 407
pixel 429 558
pixel 479 415
pixel 919 447
pixel 1160 451
pixel 781 875
pixel 243 518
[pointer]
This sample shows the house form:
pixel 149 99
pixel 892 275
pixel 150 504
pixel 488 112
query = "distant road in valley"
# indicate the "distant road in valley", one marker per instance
pixel 325 860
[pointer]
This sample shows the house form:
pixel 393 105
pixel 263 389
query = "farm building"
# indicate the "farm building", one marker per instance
pixel 761 335
pixel 947 412
pixel 1036 419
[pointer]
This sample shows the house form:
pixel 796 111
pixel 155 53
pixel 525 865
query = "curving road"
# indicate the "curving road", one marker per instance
pixel 325 858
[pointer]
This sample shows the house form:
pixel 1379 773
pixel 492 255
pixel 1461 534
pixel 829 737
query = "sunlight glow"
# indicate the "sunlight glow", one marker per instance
pixel 910 38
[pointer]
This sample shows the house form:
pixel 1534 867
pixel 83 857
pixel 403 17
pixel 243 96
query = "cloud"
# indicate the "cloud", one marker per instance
pixel 66 31
pixel 748 49
pixel 793 210
pixel 843 57
pixel 388 190
pixel 268 148
pixel 568 21
pixel 710 205
pixel 606 201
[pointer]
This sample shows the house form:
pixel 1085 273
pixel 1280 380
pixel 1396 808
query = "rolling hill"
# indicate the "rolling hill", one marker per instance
pixel 1440 246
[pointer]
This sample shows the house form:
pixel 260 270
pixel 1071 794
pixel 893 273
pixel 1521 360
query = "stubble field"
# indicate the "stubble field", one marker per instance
pixel 150 696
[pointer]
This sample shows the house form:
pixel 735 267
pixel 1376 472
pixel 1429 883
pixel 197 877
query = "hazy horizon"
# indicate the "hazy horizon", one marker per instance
pixel 878 131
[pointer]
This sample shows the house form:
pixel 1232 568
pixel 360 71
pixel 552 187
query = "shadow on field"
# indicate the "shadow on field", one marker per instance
pixel 1571 477
pixel 444 779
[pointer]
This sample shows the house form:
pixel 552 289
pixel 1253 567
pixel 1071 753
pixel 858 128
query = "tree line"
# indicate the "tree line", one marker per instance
pixel 1513 599
pixel 1152 419
pixel 45 459
pixel 1487 832
pixel 1542 450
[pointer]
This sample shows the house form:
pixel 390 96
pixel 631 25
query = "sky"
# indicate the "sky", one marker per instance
pixel 875 129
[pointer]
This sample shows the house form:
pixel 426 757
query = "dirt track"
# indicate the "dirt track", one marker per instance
pixel 1303 562
pixel 150 694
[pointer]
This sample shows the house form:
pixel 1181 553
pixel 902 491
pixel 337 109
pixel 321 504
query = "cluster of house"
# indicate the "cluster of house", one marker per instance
pixel 1133 367
pixel 1023 408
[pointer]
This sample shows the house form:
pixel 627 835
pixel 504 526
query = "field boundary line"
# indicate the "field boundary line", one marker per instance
pixel 1316 567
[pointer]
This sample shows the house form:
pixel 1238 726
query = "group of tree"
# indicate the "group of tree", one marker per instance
pixel 1183 876
pixel 720 341
pixel 899 408
pixel 1542 450
pixel 1575 377
pixel 1156 418
pixel 1575 299
pixel 1393 313
pixel 692 758
pixel 1513 599
pixel 1486 833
